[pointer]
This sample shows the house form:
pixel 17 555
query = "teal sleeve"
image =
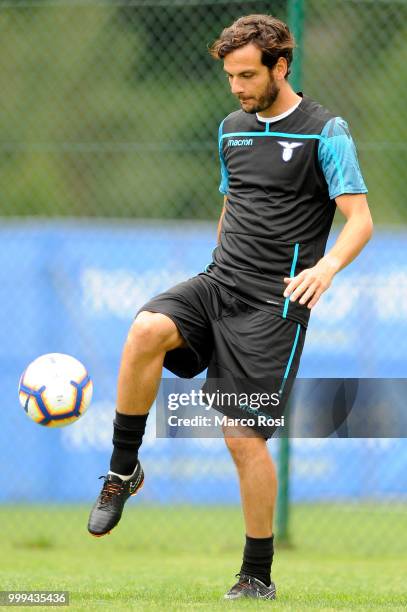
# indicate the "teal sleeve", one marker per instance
pixel 338 159
pixel 224 177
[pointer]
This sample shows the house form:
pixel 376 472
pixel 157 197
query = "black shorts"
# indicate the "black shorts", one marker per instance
pixel 236 342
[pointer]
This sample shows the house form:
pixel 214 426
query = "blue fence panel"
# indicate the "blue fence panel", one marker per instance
pixel 74 288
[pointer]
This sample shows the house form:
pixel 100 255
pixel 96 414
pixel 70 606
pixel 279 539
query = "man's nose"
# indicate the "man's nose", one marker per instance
pixel 236 86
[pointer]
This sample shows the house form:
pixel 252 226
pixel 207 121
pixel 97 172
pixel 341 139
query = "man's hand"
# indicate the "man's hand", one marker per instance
pixel 310 284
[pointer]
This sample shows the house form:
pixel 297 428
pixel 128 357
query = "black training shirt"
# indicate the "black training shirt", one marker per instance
pixel 280 177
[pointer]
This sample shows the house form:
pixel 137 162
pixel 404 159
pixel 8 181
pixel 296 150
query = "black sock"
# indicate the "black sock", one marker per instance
pixel 128 431
pixel 257 558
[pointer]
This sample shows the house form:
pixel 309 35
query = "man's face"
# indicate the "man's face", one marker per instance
pixel 250 81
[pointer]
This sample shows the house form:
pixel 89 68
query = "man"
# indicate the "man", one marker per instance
pixel 286 163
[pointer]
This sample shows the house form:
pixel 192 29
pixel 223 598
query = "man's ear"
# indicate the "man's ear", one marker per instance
pixel 280 69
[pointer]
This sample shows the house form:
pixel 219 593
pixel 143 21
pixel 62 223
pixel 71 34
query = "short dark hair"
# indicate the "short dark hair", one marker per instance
pixel 269 34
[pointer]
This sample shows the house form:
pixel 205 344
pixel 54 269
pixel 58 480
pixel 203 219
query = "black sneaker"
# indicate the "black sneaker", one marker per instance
pixel 107 511
pixel 247 586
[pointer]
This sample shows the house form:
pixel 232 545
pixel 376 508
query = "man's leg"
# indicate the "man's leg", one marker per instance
pixel 258 483
pixel 258 489
pixel 150 337
pixel 262 352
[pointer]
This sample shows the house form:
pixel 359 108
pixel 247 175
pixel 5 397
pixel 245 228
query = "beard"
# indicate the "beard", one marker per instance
pixel 263 102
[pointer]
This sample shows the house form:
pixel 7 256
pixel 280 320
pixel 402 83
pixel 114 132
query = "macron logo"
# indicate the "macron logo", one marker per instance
pixel 240 142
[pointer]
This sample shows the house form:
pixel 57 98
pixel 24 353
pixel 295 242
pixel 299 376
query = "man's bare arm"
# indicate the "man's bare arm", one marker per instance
pixel 221 217
pixel 357 231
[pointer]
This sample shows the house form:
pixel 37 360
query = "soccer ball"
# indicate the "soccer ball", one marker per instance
pixel 55 390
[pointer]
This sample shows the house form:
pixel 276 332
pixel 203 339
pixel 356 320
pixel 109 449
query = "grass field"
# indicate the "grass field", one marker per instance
pixel 184 558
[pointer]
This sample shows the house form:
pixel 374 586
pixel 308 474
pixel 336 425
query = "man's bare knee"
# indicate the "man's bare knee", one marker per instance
pixel 244 449
pixel 153 332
